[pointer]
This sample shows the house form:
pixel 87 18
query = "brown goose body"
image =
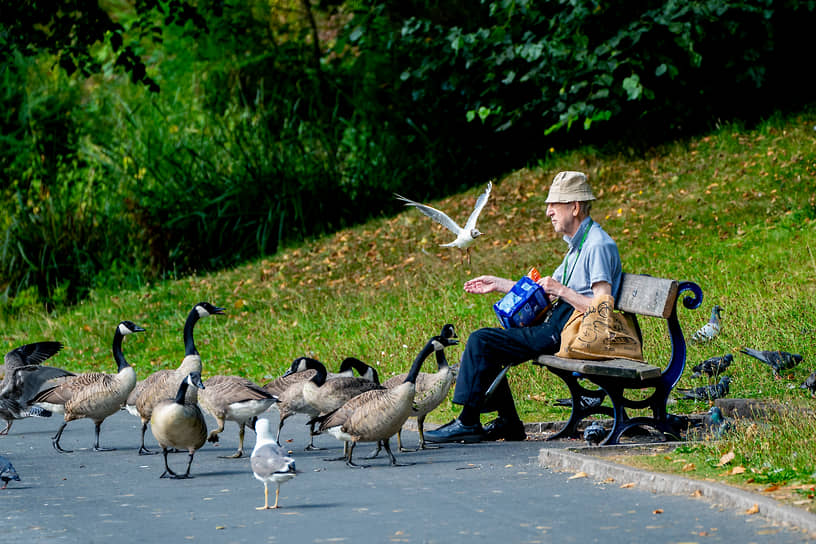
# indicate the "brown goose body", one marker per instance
pixel 289 390
pixel 163 384
pixel 177 424
pixel 327 395
pixel 375 416
pixel 93 395
pixel 233 398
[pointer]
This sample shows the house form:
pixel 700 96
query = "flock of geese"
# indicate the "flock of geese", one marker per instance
pixel 352 408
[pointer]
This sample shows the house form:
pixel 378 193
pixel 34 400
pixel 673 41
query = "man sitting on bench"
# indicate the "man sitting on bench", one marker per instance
pixel 591 267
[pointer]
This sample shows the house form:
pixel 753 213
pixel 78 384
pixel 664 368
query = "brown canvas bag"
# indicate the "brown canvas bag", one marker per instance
pixel 601 333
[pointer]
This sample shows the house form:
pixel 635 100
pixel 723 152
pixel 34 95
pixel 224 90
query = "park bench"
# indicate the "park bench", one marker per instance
pixel 642 296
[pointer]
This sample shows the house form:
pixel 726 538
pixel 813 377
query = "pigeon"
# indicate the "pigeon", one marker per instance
pixel 678 423
pixel 269 462
pixel 710 330
pixel 466 235
pixel 708 392
pixel 594 433
pixel 810 384
pixel 713 366
pixel 586 402
pixel 777 360
pixel 716 424
pixel 7 472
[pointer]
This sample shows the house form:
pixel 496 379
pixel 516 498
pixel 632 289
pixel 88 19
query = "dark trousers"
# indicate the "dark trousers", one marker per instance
pixel 488 350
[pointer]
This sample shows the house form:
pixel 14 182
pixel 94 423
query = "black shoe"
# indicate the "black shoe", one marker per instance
pixel 455 431
pixel 506 429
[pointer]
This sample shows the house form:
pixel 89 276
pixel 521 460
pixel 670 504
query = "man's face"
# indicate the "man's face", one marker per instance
pixel 563 216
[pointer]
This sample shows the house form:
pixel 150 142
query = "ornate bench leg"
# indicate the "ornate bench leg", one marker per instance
pixel 579 409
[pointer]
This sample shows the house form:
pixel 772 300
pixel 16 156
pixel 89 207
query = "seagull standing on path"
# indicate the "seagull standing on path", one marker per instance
pixel 466 235
pixel 269 462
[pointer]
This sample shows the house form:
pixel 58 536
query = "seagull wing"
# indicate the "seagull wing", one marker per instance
pixel 438 216
pixel 477 209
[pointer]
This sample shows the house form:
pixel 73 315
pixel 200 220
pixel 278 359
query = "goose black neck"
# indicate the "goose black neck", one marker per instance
pixel 417 364
pixel 118 356
pixel 189 325
pixel 441 360
pixel 320 373
pixel 182 391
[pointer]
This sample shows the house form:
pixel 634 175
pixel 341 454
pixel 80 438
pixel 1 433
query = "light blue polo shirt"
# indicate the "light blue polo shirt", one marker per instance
pixel 597 259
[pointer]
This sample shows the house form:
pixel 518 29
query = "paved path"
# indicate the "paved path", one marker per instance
pixel 490 492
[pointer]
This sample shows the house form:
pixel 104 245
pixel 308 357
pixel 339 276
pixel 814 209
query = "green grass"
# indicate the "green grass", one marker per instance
pixel 734 211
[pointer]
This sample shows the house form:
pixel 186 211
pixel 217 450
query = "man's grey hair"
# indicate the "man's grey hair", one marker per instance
pixel 585 207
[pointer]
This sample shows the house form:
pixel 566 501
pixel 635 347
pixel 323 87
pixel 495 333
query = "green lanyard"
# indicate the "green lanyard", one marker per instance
pixel 565 278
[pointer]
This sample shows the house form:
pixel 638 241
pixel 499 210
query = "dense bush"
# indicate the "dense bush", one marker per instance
pixel 284 121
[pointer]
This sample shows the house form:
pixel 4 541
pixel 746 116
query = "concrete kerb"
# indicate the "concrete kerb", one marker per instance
pixel 719 494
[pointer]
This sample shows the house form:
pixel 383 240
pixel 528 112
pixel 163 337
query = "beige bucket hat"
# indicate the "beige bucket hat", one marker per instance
pixel 570 187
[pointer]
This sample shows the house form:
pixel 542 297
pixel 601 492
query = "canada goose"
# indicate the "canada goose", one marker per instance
pixel 233 398
pixel 376 415
pixel 93 395
pixel 23 378
pixel 269 462
pixel 162 385
pixel 329 395
pixel 178 423
pixel 431 390
pixel 289 390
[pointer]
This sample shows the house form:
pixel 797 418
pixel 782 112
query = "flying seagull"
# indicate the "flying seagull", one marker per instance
pixel 466 235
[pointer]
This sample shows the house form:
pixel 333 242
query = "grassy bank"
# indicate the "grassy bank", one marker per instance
pixel 734 211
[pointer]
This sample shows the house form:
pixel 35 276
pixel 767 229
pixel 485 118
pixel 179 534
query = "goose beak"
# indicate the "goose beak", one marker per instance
pixel 218 311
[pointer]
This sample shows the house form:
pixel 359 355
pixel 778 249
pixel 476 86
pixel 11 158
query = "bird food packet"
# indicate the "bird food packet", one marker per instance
pixel 533 274
pixel 524 305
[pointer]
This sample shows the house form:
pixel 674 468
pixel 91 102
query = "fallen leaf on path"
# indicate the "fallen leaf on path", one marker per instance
pixel 770 488
pixel 658 511
pixel 697 493
pixel 627 486
pixel 753 510
pixel 578 475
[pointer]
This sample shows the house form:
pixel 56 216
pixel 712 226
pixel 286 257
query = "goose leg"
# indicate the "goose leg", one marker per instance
pixel 240 453
pixel 312 434
pixel 97 425
pixel 142 449
pixel 167 472
pixel 391 455
pixel 280 426
pixel 342 457
pixel 213 436
pixel 189 464
pixel 422 444
pixel 377 451
pixel 348 459
pixel 56 439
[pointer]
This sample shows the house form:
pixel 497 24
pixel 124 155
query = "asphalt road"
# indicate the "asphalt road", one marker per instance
pixel 489 492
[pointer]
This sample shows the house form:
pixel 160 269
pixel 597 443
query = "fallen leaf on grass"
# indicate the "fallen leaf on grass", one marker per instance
pixel 737 470
pixel 770 488
pixel 753 510
pixel 578 475
pixel 688 467
pixel 727 458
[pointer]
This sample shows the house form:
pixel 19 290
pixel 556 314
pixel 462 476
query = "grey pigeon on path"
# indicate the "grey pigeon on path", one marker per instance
pixel 708 392
pixel 466 235
pixel 710 330
pixel 713 366
pixel 810 384
pixel 594 433
pixel 779 361
pixel 7 472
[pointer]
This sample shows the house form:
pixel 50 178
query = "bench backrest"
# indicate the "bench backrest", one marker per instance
pixel 647 295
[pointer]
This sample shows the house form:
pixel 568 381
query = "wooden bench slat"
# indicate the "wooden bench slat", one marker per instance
pixel 647 295
pixel 618 368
